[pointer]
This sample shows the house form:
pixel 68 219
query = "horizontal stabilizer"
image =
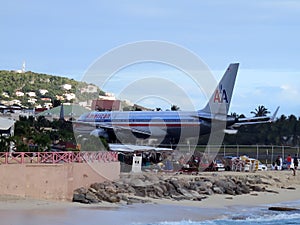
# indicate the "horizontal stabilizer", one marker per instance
pixel 255 120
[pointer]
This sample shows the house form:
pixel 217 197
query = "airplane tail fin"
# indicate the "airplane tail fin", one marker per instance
pixel 220 100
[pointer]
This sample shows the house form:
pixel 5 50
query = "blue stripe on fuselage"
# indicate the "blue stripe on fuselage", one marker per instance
pixel 139 117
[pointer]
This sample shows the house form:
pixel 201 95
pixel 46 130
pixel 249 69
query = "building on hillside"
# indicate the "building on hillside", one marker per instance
pixel 106 105
pixel 107 96
pixel 31 94
pixel 69 96
pixel 5 94
pixel 43 91
pixel 67 86
pixel 32 100
pixel 20 93
pixel 89 89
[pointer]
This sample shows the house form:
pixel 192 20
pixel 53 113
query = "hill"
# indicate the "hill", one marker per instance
pixel 31 89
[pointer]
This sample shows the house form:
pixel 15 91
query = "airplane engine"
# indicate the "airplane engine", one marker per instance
pixel 99 132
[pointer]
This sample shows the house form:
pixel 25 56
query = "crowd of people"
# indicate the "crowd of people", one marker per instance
pixel 290 163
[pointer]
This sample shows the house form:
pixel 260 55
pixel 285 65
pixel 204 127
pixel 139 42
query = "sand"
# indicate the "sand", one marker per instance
pixel 13 209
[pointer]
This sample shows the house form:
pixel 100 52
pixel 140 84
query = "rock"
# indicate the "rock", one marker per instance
pixel 244 189
pixel 175 184
pixel 163 187
pixel 81 190
pixel 92 190
pixel 158 191
pixel 291 188
pixel 79 197
pixel 137 183
pixel 140 191
pixel 170 188
pixel 103 195
pixel 206 192
pixel 283 209
pixel 91 197
pixel 229 191
pixel 152 179
pixel 114 199
pixel 256 188
pixel 132 200
pixel 217 190
pixel 277 180
pixel 97 186
pixel 196 195
pixel 272 191
pixel 229 198
pixel 111 189
pixel 185 193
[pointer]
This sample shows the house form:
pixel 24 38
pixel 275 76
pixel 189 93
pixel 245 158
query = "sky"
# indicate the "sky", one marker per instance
pixel 66 37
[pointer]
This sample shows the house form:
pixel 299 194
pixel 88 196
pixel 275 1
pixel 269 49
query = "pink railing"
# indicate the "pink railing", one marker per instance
pixel 57 157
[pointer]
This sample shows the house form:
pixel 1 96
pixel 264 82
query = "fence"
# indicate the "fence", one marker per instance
pixel 265 153
pixel 57 157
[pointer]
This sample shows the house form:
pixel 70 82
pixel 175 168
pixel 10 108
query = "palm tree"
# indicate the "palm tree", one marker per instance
pixel 260 111
pixel 175 108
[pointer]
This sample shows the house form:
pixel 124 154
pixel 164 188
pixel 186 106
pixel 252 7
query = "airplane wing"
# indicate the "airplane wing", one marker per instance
pixel 255 120
pixel 110 126
pixel 135 148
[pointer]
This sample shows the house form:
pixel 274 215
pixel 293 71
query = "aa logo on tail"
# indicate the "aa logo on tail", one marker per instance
pixel 220 95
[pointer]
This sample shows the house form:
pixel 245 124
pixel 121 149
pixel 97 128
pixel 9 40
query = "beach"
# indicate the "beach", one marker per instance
pixel 15 211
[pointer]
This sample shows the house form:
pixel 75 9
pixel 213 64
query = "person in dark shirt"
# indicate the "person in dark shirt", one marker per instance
pixel 296 163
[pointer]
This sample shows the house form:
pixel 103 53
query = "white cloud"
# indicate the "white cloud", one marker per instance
pixel 289 92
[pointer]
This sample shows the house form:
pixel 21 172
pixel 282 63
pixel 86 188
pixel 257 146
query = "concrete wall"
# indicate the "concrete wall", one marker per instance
pixel 53 181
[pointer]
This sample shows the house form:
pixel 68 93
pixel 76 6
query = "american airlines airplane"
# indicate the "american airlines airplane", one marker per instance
pixel 169 126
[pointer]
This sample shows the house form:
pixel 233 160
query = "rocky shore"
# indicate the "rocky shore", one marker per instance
pixel 147 187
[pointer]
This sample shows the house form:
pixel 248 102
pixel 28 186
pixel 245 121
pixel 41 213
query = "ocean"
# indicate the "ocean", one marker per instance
pixel 151 214
pixel 267 219
pixel 246 216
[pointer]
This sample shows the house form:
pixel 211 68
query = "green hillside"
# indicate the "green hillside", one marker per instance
pixel 11 82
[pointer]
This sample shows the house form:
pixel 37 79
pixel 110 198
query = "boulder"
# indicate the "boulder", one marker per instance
pixel 218 190
pixel 79 197
pixel 91 197
pixel 137 183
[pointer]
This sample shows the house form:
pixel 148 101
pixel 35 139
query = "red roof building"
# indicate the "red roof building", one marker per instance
pixel 106 105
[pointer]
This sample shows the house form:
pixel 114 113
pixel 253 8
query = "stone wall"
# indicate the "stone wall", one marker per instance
pixel 53 181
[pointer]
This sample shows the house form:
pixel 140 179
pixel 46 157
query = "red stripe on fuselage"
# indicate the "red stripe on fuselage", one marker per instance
pixel 156 125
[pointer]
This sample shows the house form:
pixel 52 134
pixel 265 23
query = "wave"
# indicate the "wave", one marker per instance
pixel 270 219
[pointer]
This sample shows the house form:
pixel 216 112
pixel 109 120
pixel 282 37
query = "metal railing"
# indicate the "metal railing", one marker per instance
pixel 57 157
pixel 265 153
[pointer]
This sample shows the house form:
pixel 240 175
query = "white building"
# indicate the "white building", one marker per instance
pixel 5 94
pixel 107 96
pixel 70 96
pixel 31 94
pixel 32 100
pixel 89 89
pixel 67 87
pixel 20 93
pixel 43 91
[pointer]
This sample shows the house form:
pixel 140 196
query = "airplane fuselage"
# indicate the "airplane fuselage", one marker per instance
pixel 150 124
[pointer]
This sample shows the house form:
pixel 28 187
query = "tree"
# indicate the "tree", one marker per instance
pixel 260 111
pixel 175 108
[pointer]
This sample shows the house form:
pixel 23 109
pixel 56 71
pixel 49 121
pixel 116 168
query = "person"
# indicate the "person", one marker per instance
pixel 273 166
pixel 278 163
pixel 296 162
pixel 289 161
pixel 292 167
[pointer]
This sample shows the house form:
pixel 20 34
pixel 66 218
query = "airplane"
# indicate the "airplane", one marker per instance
pixel 169 127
